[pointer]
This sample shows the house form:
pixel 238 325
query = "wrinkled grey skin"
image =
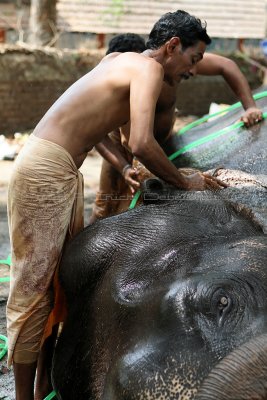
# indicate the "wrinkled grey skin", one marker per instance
pixel 169 301
pixel 239 156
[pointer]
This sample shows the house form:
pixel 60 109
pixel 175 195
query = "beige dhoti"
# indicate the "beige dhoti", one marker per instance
pixel 45 206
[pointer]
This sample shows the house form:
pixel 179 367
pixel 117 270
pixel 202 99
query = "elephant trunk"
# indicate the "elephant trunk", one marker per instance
pixel 242 375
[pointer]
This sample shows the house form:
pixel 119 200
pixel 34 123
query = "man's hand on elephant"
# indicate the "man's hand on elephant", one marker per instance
pixel 130 175
pixel 203 181
pixel 213 183
pixel 252 116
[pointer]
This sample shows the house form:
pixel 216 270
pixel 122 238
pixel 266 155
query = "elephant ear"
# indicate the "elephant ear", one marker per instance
pixel 87 256
pixel 242 375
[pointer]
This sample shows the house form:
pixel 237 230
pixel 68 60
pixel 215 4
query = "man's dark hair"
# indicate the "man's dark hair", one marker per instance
pixel 126 42
pixel 188 28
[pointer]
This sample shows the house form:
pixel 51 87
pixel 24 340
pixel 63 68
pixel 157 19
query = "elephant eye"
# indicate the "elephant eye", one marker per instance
pixel 223 302
pixel 223 308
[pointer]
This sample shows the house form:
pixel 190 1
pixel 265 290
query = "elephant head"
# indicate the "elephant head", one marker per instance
pixel 166 301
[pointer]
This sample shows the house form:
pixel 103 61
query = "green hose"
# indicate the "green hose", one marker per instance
pixel 3 346
pixel 135 200
pixel 197 143
pixel 199 121
pixel 51 395
pixel 7 261
pixel 205 139
pixel 5 279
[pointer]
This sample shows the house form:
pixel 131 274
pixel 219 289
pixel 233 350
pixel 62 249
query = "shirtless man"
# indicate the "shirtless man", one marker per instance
pixel 44 202
pixel 113 196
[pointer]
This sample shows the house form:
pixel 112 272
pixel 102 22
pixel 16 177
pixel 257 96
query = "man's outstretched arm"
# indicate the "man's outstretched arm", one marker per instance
pixel 213 64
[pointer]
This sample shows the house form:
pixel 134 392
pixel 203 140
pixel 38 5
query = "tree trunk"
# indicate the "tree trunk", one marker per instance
pixel 42 22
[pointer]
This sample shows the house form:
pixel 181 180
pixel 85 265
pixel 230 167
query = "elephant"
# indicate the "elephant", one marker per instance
pixel 159 297
pixel 169 300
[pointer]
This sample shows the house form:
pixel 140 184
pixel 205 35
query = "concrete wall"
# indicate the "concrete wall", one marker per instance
pixel 31 80
pixel 196 94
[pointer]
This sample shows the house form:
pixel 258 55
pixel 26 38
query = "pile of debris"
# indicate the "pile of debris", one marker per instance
pixel 10 146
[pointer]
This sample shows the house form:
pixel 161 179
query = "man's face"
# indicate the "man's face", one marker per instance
pixel 184 61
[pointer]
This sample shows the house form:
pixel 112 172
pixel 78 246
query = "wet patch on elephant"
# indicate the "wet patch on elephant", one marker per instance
pixel 246 192
pixel 239 178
